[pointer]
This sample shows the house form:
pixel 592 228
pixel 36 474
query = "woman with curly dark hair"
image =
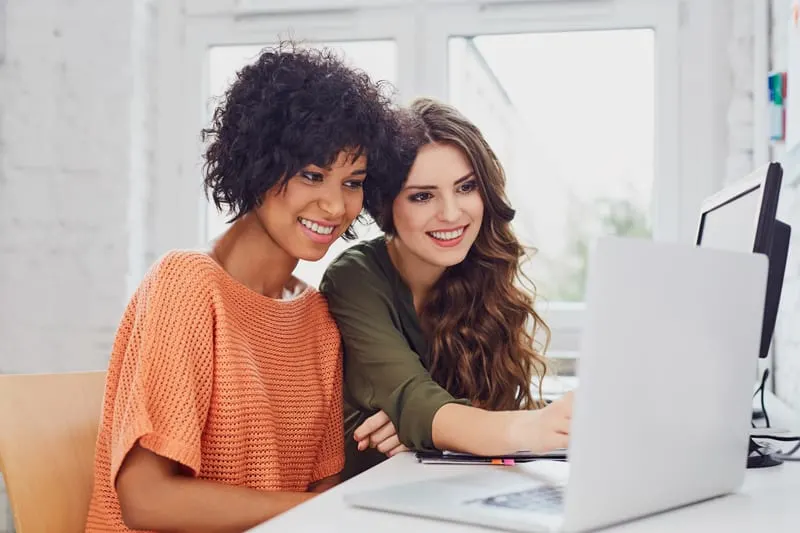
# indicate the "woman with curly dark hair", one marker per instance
pixel 439 336
pixel 223 401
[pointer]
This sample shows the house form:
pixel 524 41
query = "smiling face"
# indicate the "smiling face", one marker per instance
pixel 316 207
pixel 438 213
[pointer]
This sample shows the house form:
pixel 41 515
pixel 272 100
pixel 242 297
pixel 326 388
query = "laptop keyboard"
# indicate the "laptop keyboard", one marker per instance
pixel 543 499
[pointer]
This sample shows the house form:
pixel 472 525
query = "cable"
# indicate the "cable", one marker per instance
pixel 793 438
pixel 788 456
pixel 761 389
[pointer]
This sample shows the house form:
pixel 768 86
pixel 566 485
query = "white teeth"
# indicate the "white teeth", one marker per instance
pixel 316 228
pixel 447 235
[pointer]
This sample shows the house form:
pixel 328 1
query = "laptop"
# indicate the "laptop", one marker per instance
pixel 662 415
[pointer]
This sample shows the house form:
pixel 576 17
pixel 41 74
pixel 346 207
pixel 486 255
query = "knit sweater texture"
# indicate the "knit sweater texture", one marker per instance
pixel 239 388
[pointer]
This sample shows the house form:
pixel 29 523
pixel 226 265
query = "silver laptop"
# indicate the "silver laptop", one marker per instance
pixel 662 414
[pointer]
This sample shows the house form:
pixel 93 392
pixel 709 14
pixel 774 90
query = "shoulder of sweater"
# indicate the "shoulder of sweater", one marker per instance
pixel 184 273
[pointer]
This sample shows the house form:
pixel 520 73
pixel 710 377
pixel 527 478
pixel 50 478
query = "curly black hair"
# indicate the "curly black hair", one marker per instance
pixel 410 135
pixel 293 107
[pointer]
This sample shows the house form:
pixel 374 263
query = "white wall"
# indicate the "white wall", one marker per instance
pixel 739 112
pixel 73 100
pixel 787 330
pixel 731 92
pixel 75 120
pixel 707 92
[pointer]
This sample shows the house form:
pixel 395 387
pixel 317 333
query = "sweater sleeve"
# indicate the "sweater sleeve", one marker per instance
pixel 330 459
pixel 164 383
pixel 381 370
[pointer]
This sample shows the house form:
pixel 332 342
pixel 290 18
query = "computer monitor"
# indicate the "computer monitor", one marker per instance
pixel 741 217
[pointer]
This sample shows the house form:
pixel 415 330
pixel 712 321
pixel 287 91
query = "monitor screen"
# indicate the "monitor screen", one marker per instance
pixel 741 218
pixel 732 225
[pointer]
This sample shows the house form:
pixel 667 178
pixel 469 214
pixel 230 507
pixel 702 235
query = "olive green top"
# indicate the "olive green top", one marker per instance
pixel 386 356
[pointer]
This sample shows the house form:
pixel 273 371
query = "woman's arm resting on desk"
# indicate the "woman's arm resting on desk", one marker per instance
pixel 383 373
pixel 325 484
pixel 467 429
pixel 154 495
pixel 501 432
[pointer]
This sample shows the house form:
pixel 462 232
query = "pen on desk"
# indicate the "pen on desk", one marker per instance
pixel 506 462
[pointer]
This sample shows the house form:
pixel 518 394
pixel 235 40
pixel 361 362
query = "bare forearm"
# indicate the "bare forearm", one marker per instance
pixel 188 504
pixel 325 484
pixel 460 428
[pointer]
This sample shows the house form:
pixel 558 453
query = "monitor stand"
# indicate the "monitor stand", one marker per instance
pixel 759 457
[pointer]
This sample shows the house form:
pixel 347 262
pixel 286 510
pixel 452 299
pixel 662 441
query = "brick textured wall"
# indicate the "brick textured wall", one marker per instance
pixel 787 330
pixel 739 118
pixel 65 134
pixel 75 115
pixel 740 161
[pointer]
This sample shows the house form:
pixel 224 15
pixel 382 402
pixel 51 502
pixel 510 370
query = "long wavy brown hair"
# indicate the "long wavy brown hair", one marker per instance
pixel 486 341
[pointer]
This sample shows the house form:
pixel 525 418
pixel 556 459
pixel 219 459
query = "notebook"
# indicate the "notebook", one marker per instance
pixel 448 457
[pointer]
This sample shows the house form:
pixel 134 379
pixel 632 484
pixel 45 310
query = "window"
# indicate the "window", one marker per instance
pixel 378 58
pixel 585 102
pixel 571 117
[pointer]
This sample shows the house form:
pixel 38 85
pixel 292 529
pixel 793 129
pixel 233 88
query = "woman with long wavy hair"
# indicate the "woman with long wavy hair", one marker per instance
pixel 440 336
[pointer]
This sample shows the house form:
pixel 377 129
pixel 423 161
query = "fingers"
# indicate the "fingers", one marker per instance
pixel 565 400
pixel 371 424
pixel 561 426
pixel 559 440
pixel 389 444
pixel 395 451
pixel 563 405
pixel 569 400
pixel 380 435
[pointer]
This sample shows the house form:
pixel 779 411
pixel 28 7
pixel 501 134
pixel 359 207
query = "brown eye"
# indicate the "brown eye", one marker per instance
pixel 313 177
pixel 354 184
pixel 468 186
pixel 420 197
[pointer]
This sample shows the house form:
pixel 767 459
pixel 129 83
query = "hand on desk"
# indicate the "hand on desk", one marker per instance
pixel 539 431
pixel 545 429
pixel 378 432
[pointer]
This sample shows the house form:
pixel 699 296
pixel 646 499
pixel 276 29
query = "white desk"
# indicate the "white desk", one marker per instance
pixel 769 500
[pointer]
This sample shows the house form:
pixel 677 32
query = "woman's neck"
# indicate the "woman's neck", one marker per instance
pixel 419 275
pixel 250 255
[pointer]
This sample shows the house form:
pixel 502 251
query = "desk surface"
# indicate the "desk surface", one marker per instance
pixel 769 500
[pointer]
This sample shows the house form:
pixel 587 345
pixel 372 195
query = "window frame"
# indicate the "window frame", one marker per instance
pixel 203 31
pixel 566 319
pixel 421 30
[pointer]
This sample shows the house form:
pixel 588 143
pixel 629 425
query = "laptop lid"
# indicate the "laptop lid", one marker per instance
pixel 668 362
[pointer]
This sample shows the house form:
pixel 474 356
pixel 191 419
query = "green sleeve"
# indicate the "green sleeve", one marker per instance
pixel 381 371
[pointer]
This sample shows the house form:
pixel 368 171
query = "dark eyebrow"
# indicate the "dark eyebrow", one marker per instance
pixel 358 172
pixel 459 181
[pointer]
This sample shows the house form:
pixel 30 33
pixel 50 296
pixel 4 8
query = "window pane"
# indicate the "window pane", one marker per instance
pixel 571 117
pixel 376 58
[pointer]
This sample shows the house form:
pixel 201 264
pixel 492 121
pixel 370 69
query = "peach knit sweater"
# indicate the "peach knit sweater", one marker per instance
pixel 240 388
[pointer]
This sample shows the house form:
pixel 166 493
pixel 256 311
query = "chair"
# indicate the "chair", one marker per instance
pixel 48 428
